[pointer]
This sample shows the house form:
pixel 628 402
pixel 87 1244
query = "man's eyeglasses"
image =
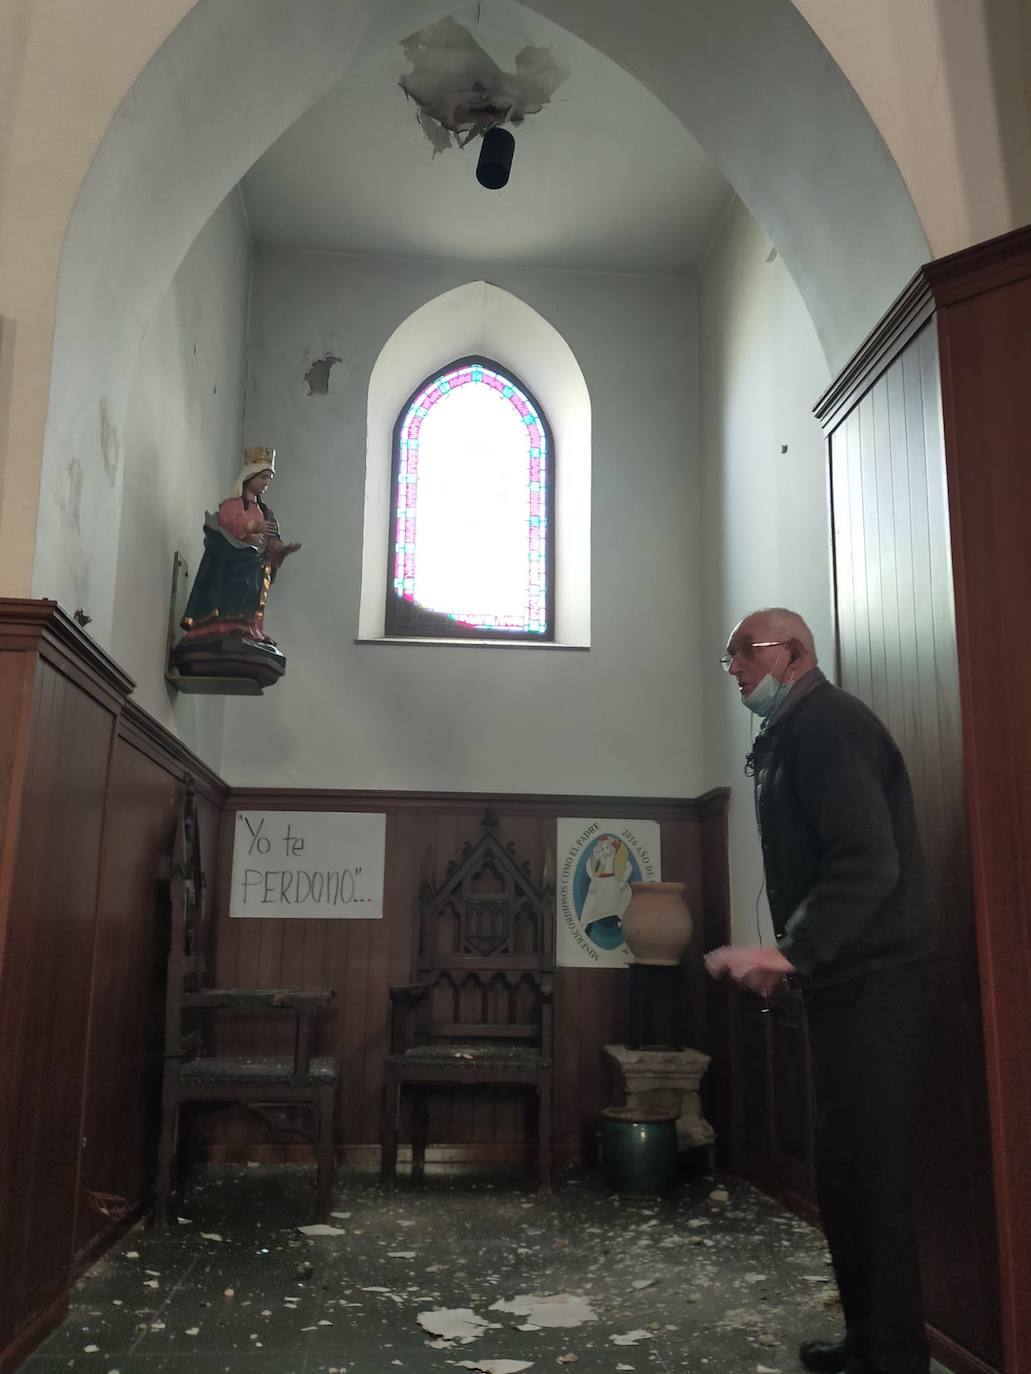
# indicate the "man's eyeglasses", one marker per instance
pixel 745 651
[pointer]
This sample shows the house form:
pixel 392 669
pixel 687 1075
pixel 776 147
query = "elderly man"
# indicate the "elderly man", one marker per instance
pixel 855 923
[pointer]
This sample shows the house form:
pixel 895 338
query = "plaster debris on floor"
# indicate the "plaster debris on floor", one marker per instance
pixel 457 1273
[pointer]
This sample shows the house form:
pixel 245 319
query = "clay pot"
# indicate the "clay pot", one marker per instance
pixel 656 923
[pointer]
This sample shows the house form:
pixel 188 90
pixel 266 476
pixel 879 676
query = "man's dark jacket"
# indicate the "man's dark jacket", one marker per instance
pixel 845 874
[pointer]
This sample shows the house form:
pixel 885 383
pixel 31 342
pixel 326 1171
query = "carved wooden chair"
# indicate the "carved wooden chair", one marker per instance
pixel 479 1012
pixel 269 1086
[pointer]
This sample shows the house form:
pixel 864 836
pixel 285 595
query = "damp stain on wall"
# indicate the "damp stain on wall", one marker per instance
pixel 72 502
pixel 108 442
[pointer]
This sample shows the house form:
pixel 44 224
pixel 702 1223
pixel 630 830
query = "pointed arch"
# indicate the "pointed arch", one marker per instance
pixel 748 78
pixel 482 319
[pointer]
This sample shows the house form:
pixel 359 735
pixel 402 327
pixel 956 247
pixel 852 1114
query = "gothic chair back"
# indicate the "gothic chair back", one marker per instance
pixel 479 1011
pixel 196 1072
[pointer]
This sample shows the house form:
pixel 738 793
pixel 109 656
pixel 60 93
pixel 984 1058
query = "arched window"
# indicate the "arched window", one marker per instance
pixel 471 541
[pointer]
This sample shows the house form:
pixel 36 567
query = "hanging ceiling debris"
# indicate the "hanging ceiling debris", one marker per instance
pixel 461 91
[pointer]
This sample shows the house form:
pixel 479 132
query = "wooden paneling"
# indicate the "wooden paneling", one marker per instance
pixel 361 959
pixel 984 322
pixel 773 1103
pixel 121 1105
pixel 753 1088
pixel 897 651
pixel 44 1006
pixel 715 930
pixel 17 675
pixel 126 1028
pixel 792 1122
pixel 87 789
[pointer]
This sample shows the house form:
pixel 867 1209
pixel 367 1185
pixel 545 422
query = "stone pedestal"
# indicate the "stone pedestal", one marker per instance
pixel 664 1080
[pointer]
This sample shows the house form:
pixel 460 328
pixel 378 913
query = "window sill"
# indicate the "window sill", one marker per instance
pixel 478 643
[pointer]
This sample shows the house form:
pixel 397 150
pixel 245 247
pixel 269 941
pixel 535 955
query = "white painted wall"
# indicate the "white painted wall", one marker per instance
pixel 746 77
pixel 181 453
pixel 764 511
pixel 947 84
pixel 623 717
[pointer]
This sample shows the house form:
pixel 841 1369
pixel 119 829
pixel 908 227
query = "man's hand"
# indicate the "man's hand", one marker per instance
pixel 756 967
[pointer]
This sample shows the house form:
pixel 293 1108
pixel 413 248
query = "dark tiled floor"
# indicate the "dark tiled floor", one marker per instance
pixel 726 1280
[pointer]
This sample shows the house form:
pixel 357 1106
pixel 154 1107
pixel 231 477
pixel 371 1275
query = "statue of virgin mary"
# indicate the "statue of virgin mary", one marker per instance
pixel 243 551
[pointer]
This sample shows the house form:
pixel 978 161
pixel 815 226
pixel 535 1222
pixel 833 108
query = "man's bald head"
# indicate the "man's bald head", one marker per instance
pixel 777 622
pixel 773 640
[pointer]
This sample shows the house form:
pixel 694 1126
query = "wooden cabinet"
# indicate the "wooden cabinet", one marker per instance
pixel 87 792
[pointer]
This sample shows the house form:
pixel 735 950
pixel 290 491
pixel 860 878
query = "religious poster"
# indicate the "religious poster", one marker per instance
pixel 308 863
pixel 597 862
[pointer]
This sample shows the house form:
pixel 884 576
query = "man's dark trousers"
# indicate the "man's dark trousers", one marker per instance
pixel 868 1039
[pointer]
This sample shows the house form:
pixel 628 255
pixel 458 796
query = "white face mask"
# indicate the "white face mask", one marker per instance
pixel 766 695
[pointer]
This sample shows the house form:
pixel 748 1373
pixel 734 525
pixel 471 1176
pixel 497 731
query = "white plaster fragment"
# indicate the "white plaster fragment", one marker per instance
pixel 496 1366
pixel 560 1309
pixel 453 1323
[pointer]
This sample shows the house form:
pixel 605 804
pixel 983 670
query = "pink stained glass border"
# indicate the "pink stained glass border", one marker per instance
pixel 405 514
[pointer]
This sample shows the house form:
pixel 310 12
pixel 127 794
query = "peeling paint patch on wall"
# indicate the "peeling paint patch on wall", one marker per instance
pixel 317 375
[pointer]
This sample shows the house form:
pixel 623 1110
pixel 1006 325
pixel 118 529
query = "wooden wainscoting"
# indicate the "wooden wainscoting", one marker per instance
pixel 984 328
pixel 59 718
pixel 126 1021
pixel 773 1101
pixel 715 922
pixel 913 500
pixel 361 959
pixel 87 793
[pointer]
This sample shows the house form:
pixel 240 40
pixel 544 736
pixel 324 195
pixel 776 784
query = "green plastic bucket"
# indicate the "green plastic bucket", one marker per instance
pixel 638 1150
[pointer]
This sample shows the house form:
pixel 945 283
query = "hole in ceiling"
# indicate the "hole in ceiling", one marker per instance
pixel 461 91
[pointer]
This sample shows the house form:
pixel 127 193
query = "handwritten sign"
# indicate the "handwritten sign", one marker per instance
pixel 308 863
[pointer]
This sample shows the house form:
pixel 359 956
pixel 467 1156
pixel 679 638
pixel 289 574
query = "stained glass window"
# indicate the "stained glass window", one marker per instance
pixel 471 545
